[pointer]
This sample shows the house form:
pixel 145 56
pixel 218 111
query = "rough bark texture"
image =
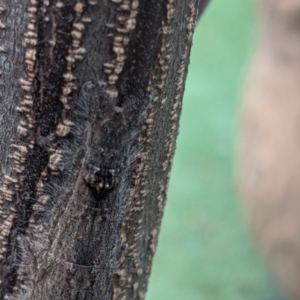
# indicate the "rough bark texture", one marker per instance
pixel 90 101
pixel 269 159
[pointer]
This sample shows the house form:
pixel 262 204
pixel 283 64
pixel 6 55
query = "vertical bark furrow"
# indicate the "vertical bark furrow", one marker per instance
pixel 166 77
pixel 47 22
pixel 15 151
pixel 126 19
pixel 51 46
pixel 143 47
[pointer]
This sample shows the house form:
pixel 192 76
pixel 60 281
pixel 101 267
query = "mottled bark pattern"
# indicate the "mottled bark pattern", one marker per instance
pixel 91 96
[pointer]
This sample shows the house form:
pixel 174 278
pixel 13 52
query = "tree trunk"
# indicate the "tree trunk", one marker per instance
pixel 270 147
pixel 91 96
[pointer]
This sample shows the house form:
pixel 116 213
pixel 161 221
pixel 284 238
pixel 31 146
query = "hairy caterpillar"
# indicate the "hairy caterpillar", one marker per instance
pixel 110 134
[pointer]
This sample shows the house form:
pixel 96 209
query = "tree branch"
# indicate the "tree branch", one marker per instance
pixel 91 97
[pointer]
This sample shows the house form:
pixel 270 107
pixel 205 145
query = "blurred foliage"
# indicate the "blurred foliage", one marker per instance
pixel 205 251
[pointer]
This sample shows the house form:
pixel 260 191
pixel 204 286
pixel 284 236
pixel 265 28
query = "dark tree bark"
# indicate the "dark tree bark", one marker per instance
pixel 91 96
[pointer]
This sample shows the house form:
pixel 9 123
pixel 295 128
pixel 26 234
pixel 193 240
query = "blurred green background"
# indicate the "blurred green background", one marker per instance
pixel 204 249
